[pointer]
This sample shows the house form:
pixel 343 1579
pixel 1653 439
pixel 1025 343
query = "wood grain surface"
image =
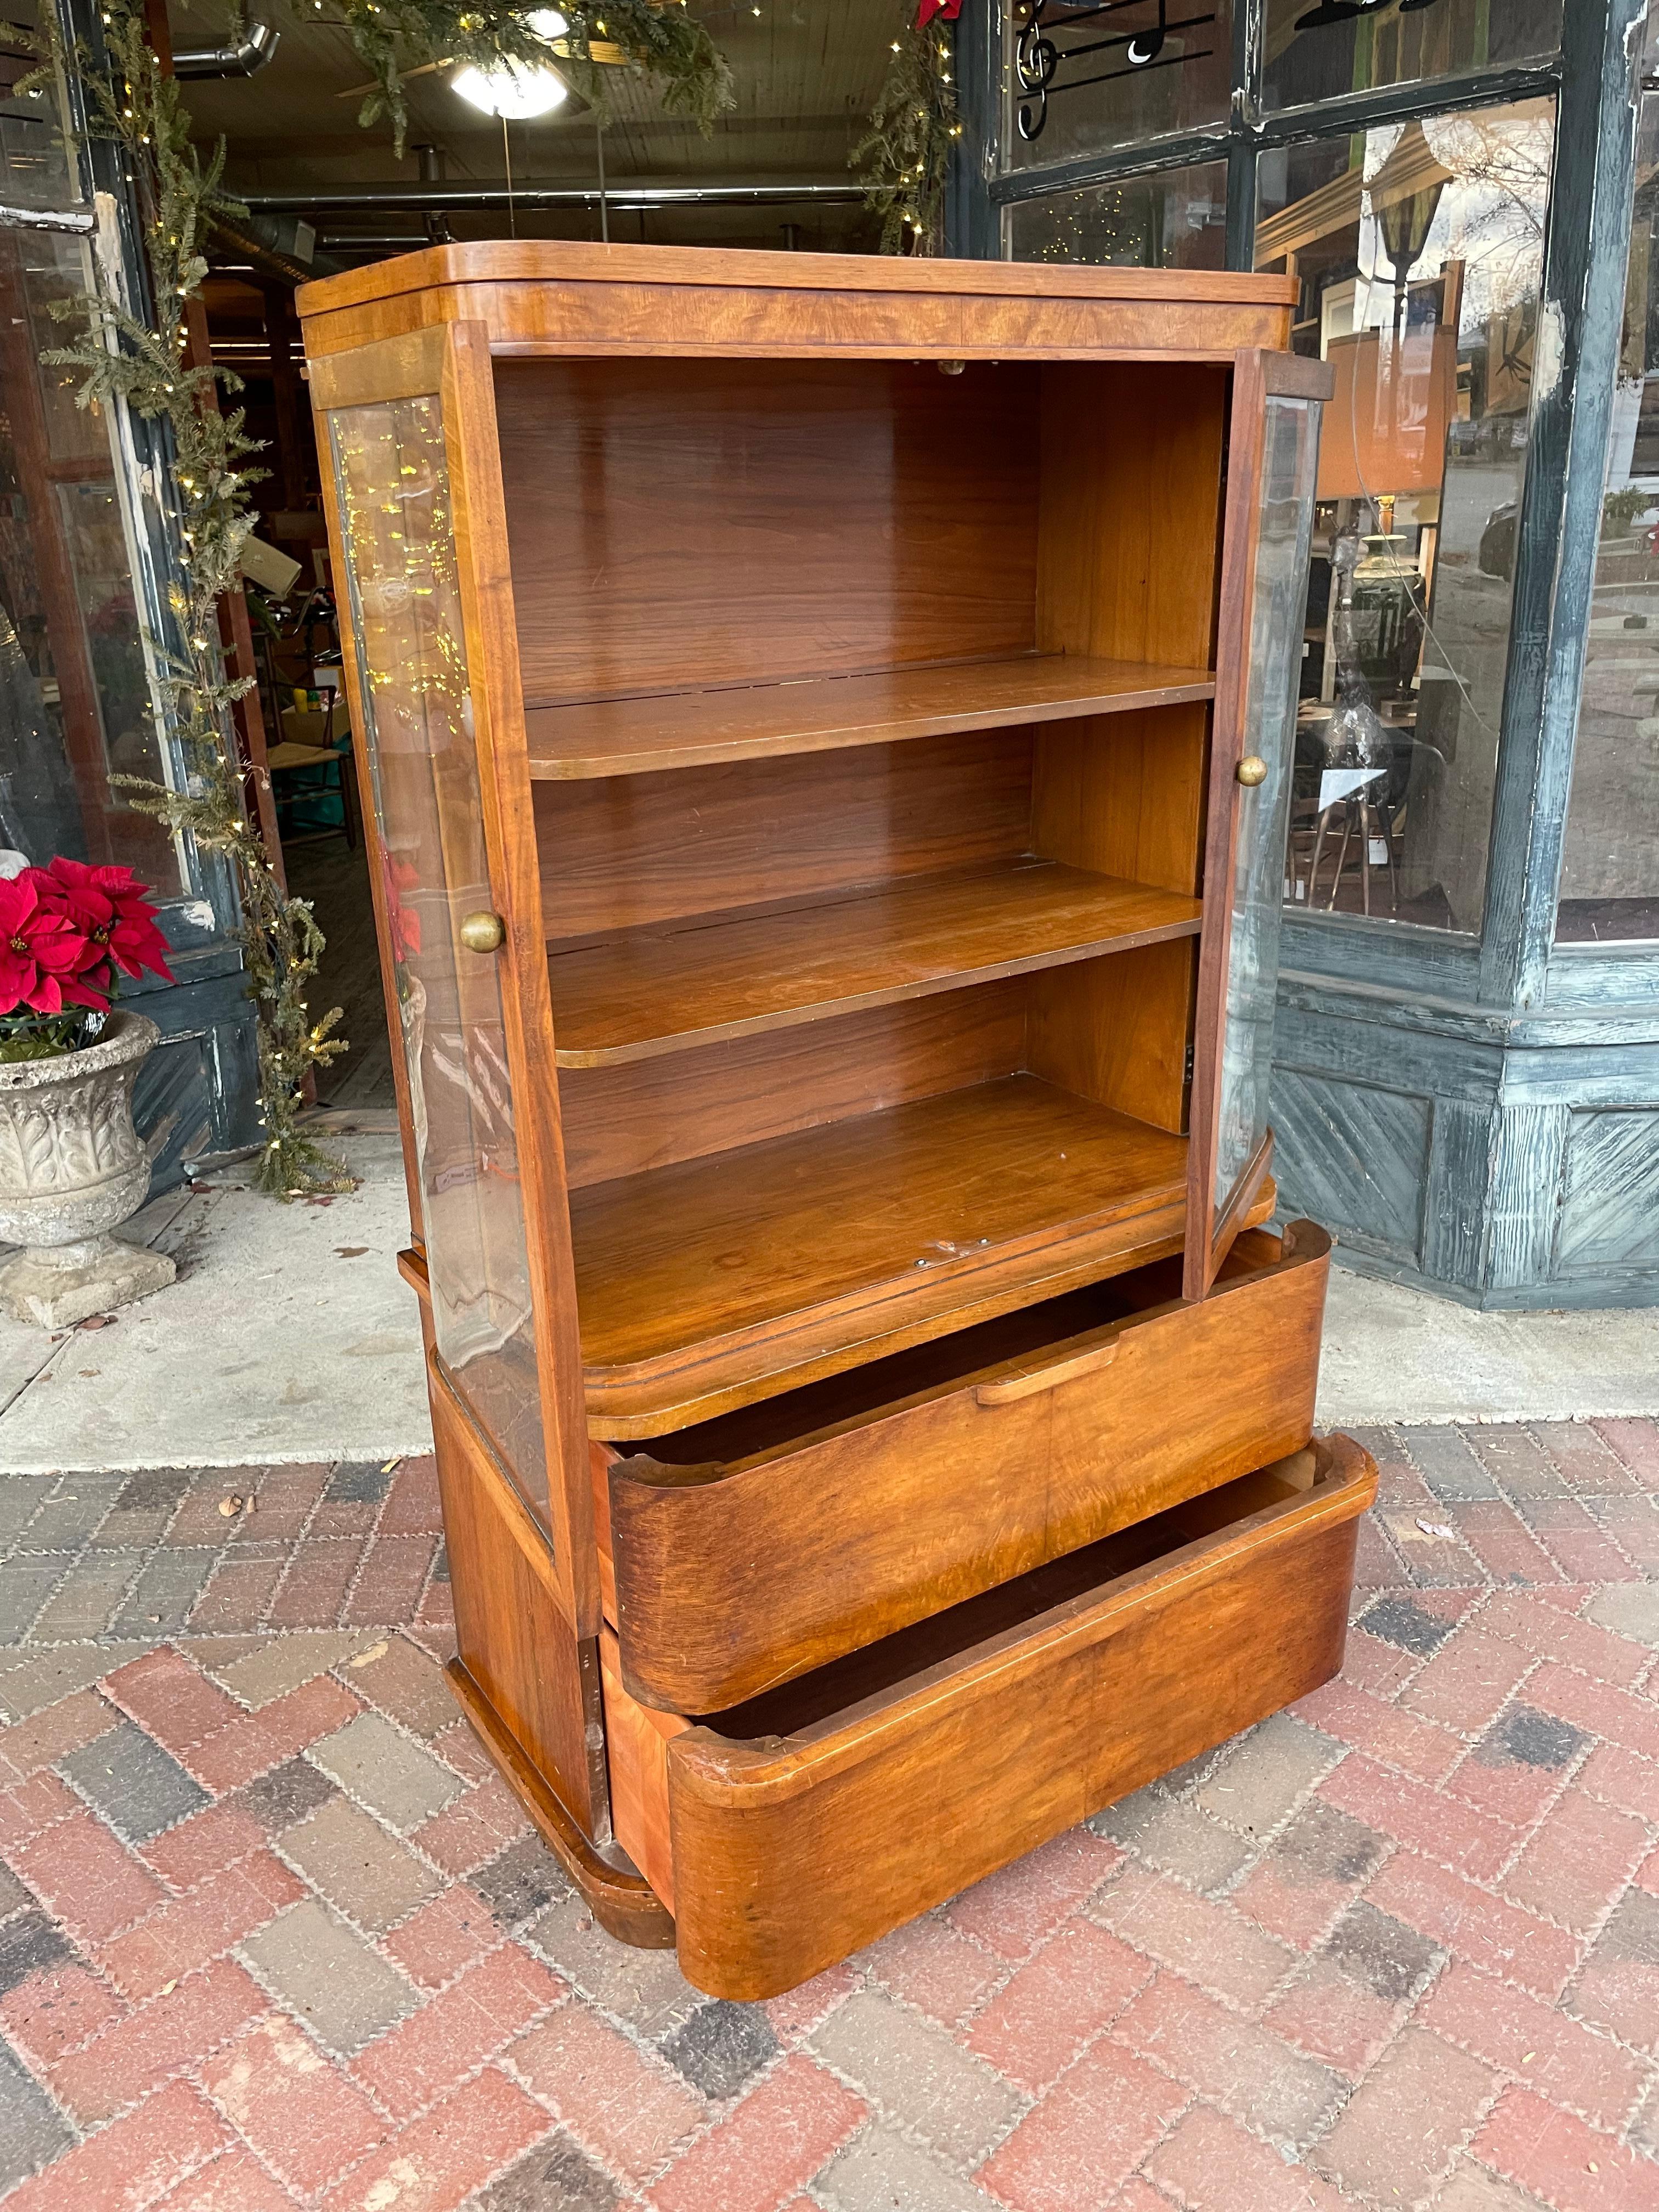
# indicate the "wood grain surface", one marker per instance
pixel 721 523
pixel 710 976
pixel 515 1637
pixel 994 1450
pixel 626 851
pixel 722 1273
pixel 549 300
pixel 623 1120
pixel 688 729
pixel 812 1821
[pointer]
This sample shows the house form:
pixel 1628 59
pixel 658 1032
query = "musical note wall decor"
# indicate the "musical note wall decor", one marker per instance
pixel 1038 59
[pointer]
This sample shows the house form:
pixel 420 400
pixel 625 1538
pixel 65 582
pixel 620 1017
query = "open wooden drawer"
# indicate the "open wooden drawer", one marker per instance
pixel 753 1549
pixel 790 1831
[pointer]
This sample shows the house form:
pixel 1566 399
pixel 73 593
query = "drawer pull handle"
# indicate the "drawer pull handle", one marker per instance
pixel 1015 1387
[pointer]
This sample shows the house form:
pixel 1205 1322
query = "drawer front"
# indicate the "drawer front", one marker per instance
pixel 729 1580
pixel 792 1852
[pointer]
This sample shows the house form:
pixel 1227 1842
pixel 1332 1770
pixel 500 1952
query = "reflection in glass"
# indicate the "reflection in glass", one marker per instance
pixel 393 479
pixel 1081 76
pixel 1610 863
pixel 1419 248
pixel 1289 459
pixel 1316 49
pixel 75 703
pixel 35 170
pixel 1174 219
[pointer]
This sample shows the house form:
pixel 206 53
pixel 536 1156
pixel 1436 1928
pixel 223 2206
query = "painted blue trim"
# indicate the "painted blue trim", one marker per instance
pixel 1586 250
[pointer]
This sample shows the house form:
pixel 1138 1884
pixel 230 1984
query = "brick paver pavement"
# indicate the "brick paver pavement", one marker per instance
pixel 272 1935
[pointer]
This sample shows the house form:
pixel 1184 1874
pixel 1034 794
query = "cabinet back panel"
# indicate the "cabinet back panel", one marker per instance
pixel 680 523
pixel 621 851
pixel 649 1113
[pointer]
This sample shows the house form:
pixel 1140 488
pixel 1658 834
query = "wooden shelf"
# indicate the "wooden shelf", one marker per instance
pixel 689 729
pixel 719 1282
pixel 706 977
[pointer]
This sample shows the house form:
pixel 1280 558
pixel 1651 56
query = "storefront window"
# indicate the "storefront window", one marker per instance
pixel 1173 219
pixel 1419 249
pixel 1082 77
pixel 75 701
pixel 1317 50
pixel 1610 861
pixel 34 167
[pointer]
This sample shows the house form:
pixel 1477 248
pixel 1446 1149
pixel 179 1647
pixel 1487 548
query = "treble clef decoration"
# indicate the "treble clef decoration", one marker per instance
pixel 1037 58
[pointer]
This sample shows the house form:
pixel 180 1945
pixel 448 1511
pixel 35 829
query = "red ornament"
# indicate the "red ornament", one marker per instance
pixel 401 876
pixel 950 9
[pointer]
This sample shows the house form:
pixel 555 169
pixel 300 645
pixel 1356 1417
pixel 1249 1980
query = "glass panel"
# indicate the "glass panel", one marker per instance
pixel 1316 49
pixel 35 170
pixel 1610 864
pixel 75 701
pixel 1174 219
pixel 1081 76
pixel 1290 460
pixel 1419 248
pixel 391 476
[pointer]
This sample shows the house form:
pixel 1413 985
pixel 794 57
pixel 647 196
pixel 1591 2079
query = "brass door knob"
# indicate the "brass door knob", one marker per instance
pixel 1252 769
pixel 482 932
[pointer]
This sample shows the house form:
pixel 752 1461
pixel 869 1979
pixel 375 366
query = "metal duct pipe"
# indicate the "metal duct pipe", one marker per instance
pixel 429 161
pixel 483 199
pixel 250 52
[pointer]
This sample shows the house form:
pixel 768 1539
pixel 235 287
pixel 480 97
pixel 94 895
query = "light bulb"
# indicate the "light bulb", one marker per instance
pixel 516 90
pixel 548 23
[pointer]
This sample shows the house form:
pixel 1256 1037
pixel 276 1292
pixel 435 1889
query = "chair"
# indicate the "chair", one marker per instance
pixel 311 770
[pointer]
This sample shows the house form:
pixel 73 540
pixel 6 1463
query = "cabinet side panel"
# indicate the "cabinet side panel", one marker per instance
pixel 638 1742
pixel 1117 1030
pixel 513 1637
pixel 1132 461
pixel 1124 795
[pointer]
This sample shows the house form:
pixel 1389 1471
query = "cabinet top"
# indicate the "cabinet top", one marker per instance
pixel 550 261
pixel 560 296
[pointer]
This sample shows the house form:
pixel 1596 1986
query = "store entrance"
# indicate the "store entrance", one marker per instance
pixel 294 621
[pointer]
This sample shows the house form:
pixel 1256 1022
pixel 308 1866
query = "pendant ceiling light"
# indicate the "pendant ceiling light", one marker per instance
pixel 516 91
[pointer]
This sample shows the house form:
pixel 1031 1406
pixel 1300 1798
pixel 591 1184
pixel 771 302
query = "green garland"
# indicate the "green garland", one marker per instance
pixel 143 365
pixel 657 37
pixel 123 357
pixel 905 155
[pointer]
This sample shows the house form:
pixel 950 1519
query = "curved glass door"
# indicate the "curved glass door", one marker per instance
pixel 392 479
pixel 1274 465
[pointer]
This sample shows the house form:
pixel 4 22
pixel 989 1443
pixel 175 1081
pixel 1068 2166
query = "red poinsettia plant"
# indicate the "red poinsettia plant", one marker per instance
pixel 68 932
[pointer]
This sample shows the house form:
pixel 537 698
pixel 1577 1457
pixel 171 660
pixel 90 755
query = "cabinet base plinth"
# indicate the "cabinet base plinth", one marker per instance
pixel 624 1904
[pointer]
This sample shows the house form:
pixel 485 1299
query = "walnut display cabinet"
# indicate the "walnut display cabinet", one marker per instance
pixel 825 728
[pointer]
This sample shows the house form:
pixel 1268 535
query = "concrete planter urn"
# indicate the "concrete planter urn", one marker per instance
pixel 71 1169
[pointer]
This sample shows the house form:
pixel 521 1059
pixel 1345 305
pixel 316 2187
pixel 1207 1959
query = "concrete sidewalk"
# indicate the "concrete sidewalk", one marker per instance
pixel 290 1337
